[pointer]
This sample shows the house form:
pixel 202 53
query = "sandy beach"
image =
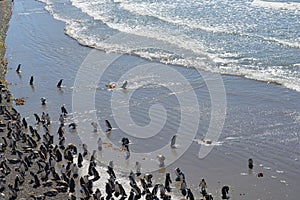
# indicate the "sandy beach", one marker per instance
pixel 262 119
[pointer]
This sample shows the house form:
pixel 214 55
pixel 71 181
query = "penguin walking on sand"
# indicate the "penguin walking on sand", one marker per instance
pixel 61 119
pixel 173 141
pixel 79 160
pixel 43 101
pixel 138 168
pixel 168 181
pixel 37 118
pixel 64 110
pixel 225 191
pixel 250 163
pixel 190 195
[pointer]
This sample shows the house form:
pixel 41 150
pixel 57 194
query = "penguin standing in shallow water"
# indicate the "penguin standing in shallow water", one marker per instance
pixel 43 101
pixel 31 81
pixel 59 83
pixel 18 70
pixel 108 126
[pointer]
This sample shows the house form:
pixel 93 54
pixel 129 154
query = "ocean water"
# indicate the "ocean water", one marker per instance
pixel 253 39
pixel 256 39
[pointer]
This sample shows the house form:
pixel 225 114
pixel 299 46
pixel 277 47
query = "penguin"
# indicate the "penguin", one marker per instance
pixel 148 178
pixel 36 181
pixel 108 126
pixel 155 190
pixel 124 86
pixel 31 81
pixel 43 101
pixel 60 132
pixel 59 83
pixel 168 181
pixel 189 194
pixel 79 160
pixel 96 174
pixel 72 185
pixel 24 123
pixel 58 155
pixel 250 163
pixel 173 141
pixel 97 194
pixel 224 191
pixel 72 126
pixel 37 118
pixel 18 70
pixel 61 119
pixel 108 191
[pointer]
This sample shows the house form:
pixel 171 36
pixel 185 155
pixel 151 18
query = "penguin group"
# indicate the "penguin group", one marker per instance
pixel 51 167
